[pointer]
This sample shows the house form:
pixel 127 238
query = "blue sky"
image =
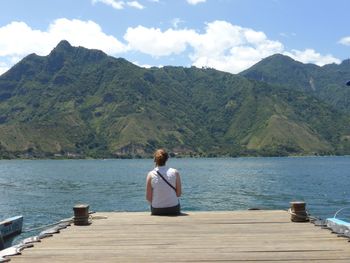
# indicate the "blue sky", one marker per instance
pixel 229 35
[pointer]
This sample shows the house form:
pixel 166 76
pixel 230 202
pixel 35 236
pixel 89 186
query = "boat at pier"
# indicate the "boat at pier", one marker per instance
pixel 9 228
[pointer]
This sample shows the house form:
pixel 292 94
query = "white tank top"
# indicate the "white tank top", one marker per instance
pixel 163 195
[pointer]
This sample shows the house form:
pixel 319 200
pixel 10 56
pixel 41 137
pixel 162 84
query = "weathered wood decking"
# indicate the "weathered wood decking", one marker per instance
pixel 239 236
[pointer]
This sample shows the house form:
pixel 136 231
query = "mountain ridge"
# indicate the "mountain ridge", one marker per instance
pixel 327 83
pixel 78 102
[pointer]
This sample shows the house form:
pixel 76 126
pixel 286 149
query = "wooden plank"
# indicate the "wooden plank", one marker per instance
pixel 238 236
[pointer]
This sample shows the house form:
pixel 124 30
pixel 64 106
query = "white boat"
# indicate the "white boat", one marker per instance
pixel 11 226
pixel 338 226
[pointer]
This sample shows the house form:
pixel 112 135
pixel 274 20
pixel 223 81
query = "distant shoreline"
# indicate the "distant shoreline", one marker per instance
pixel 174 157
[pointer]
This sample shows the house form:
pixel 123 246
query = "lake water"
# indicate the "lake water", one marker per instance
pixel 44 191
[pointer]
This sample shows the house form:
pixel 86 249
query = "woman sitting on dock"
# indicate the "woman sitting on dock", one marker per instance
pixel 163 187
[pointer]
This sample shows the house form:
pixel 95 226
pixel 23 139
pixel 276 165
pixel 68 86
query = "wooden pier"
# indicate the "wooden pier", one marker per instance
pixel 237 236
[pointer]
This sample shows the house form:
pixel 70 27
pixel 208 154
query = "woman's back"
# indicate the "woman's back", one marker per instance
pixel 163 187
pixel 163 194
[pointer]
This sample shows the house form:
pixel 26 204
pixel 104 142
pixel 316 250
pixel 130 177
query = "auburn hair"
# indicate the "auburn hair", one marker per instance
pixel 160 157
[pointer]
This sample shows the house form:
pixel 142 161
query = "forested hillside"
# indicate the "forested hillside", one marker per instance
pixel 81 103
pixel 327 83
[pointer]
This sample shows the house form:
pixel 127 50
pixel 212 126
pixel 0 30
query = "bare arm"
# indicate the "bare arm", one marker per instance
pixel 149 191
pixel 178 184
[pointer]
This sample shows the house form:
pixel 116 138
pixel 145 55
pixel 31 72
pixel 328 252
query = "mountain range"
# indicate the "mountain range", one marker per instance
pixel 80 103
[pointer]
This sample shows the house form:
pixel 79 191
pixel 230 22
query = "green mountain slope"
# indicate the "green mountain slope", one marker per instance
pixel 327 83
pixel 82 103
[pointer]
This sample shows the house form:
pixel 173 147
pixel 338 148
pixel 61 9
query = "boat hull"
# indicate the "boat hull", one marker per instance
pixel 11 226
pixel 338 226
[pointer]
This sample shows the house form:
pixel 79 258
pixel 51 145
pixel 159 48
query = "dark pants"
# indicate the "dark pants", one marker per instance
pixel 166 211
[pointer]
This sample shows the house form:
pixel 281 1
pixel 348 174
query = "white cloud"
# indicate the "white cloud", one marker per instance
pixel 135 4
pixel 311 56
pixel 345 41
pixel 116 4
pixel 232 48
pixel 85 33
pixel 154 42
pixel 222 46
pixel 17 39
pixel 146 65
pixel 194 2
pixel 113 3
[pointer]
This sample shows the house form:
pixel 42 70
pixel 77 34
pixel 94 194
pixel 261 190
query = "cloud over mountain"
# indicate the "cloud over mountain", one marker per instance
pixel 311 56
pixel 17 39
pixel 220 45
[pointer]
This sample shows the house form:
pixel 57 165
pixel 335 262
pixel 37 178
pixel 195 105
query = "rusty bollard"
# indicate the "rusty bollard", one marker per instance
pixel 81 215
pixel 298 211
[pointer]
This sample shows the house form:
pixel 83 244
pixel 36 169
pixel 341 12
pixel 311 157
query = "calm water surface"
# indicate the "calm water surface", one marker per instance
pixel 44 191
